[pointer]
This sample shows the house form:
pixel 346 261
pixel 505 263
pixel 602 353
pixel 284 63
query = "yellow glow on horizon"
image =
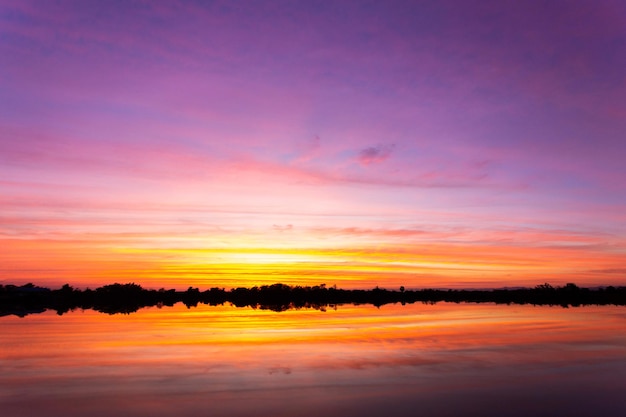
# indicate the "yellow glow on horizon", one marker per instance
pixel 416 265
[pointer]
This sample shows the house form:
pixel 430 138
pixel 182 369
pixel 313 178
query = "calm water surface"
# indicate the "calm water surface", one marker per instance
pixel 430 360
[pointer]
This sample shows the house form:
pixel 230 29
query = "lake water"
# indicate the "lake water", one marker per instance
pixel 412 360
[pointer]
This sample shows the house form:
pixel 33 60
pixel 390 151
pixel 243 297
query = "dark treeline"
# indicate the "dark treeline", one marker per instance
pixel 128 298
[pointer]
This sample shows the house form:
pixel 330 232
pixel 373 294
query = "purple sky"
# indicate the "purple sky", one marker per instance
pixel 315 125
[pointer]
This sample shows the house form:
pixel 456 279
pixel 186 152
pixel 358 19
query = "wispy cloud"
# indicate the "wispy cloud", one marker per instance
pixel 390 124
pixel 375 154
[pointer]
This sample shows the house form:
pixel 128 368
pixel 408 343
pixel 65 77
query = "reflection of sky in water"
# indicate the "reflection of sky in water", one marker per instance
pixel 443 359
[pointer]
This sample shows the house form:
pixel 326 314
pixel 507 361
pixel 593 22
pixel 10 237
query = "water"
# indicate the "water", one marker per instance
pixel 443 360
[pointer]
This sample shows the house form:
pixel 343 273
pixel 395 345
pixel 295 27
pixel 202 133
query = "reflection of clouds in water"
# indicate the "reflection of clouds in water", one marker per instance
pixel 495 391
pixel 481 359
pixel 280 370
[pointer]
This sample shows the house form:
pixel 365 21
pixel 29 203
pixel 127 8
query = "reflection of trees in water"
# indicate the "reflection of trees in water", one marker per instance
pixel 128 298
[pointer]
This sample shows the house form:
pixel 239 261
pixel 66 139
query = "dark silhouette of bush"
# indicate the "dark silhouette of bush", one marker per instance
pixel 128 298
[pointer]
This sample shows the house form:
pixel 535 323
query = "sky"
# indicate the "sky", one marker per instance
pixel 352 143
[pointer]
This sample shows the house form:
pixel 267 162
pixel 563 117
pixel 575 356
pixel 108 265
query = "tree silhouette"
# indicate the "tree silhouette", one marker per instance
pixel 127 298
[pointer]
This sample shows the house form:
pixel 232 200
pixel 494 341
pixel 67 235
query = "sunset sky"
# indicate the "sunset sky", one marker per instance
pixel 357 143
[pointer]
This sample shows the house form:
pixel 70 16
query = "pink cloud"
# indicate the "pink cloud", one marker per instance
pixel 194 116
pixel 375 154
